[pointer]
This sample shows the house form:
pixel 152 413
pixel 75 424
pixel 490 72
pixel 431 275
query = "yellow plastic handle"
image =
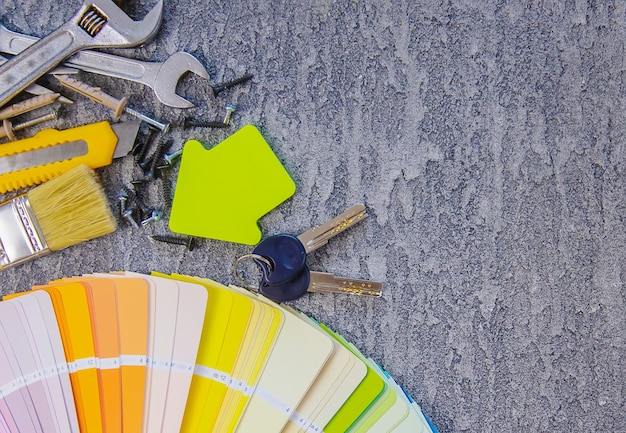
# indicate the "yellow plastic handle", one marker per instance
pixel 99 138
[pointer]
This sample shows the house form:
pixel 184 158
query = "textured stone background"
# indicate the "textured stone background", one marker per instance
pixel 486 139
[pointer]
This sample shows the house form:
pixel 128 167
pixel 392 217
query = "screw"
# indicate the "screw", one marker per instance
pixel 163 127
pixel 170 157
pixel 230 109
pixel 190 123
pixel 145 163
pixel 141 150
pixel 167 192
pixel 156 158
pixel 128 215
pixel 118 105
pixel 139 182
pixel 190 242
pixel 123 198
pixel 221 87
pixel 155 215
pixel 135 200
pixel 8 129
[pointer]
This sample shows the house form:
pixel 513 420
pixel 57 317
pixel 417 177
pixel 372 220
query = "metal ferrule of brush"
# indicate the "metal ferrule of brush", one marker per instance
pixel 21 238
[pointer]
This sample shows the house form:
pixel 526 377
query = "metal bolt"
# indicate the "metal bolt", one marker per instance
pixel 8 129
pixel 190 242
pixel 221 87
pixel 128 215
pixel 155 215
pixel 230 109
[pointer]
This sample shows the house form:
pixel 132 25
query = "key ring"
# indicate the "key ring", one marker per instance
pixel 254 257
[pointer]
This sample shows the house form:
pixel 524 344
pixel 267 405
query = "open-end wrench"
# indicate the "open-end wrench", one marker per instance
pixel 98 23
pixel 36 89
pixel 161 77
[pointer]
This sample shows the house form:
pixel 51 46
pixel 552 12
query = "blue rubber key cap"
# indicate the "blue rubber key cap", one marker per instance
pixel 285 275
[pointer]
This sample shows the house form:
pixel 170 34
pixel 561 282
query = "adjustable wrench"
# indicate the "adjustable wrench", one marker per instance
pixel 98 23
pixel 162 77
pixel 36 89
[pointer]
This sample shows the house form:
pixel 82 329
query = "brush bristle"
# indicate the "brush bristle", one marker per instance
pixel 72 208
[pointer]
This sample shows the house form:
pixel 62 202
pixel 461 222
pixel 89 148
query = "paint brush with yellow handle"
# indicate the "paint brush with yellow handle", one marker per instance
pixel 67 210
pixel 52 152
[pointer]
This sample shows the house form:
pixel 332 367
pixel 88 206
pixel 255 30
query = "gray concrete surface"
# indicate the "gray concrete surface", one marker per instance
pixel 487 141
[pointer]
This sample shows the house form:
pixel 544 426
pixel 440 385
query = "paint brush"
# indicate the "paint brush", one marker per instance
pixel 67 210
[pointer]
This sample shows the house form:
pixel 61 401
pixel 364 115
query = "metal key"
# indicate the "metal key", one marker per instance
pixel 318 282
pixel 288 253
pixel 319 236
pixel 282 259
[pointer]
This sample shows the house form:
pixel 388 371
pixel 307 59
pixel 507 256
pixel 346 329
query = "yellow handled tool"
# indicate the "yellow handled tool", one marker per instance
pixel 51 152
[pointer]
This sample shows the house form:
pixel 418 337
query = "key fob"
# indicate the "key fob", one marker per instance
pixel 287 255
pixel 289 290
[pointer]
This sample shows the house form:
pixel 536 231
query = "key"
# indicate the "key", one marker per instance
pixel 287 254
pixel 319 236
pixel 282 259
pixel 318 282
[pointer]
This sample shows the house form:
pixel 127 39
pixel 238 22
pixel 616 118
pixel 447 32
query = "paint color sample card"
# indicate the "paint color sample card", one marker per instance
pixel 124 351
pixel 46 343
pixel 368 391
pixel 176 315
pixel 102 298
pixel 72 310
pixel 298 356
pixel 132 315
pixel 340 377
pixel 254 353
pixel 39 396
pixel 229 351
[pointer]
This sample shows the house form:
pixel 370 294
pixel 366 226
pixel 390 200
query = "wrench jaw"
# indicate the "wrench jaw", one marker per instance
pixel 118 29
pixel 170 72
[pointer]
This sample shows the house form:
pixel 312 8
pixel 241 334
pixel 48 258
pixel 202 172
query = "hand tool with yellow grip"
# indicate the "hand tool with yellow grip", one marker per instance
pixel 52 152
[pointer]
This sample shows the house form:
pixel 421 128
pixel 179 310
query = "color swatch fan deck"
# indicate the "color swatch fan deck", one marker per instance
pixel 134 353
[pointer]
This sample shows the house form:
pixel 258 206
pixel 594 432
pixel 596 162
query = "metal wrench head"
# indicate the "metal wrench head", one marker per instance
pixel 170 72
pixel 107 24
